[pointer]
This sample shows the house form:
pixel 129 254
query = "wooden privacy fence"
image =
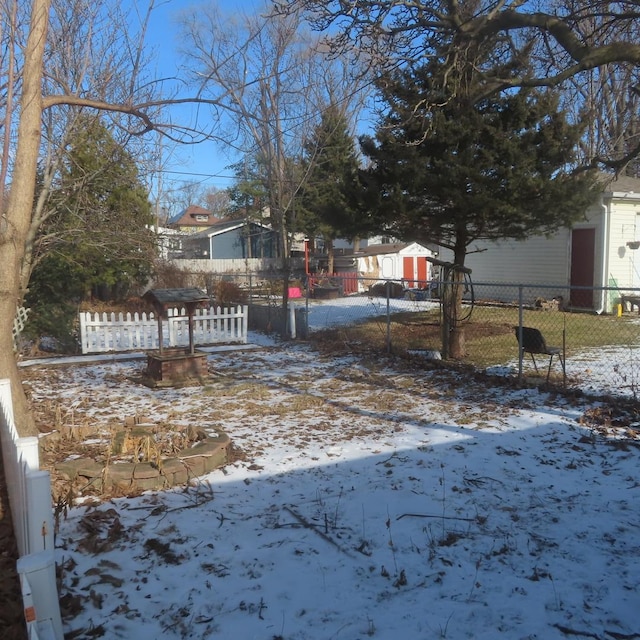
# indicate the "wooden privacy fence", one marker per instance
pixel 102 332
pixel 29 491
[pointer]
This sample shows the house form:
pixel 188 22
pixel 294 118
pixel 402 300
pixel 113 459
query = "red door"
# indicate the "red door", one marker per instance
pixel 407 271
pixel 422 272
pixel 583 245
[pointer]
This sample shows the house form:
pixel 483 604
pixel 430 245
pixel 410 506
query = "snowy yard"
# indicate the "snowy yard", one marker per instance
pixel 369 502
pixel 606 370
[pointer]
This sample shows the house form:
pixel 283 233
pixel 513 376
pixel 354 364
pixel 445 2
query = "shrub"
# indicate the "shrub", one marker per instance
pixel 224 292
pixel 168 276
pixel 380 289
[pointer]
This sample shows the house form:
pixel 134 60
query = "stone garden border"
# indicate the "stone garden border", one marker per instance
pixel 124 478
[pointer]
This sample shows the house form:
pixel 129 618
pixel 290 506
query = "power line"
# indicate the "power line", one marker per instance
pixel 193 173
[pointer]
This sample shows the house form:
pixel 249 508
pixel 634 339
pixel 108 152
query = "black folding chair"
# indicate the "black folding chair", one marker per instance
pixel 533 342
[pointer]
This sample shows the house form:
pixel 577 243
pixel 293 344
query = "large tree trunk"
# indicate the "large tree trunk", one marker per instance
pixel 331 257
pixel 457 336
pixel 456 343
pixel 14 225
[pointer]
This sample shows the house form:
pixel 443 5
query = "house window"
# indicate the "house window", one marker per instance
pixel 202 218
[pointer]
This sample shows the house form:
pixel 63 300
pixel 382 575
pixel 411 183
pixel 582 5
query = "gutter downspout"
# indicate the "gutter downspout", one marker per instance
pixel 606 216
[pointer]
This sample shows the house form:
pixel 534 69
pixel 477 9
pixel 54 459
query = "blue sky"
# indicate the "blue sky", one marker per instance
pixel 206 162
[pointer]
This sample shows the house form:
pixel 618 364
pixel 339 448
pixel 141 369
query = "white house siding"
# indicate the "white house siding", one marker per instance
pixel 537 260
pixel 624 262
pixel 542 260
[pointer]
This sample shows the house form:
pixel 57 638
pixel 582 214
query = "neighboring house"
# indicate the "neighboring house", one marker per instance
pixel 231 239
pixel 192 220
pixel 603 250
pixel 394 261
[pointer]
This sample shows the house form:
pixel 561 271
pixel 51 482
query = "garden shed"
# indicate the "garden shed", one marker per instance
pixel 394 261
pixel 602 250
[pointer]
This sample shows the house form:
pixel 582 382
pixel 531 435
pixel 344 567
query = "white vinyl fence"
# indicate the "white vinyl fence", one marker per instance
pixel 102 332
pixel 29 491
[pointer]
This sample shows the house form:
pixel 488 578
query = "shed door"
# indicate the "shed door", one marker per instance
pixel 407 270
pixel 583 245
pixel 422 271
pixel 414 271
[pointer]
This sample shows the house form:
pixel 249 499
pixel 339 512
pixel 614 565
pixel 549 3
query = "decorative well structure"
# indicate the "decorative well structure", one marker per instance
pixel 175 365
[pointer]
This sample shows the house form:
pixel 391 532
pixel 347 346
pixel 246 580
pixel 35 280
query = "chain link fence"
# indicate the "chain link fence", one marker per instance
pixel 599 347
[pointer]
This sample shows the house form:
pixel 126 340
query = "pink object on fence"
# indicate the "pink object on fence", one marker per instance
pixel 294 292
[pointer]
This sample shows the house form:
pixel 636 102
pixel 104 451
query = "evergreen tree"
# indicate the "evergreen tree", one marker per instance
pixel 457 168
pixel 330 205
pixel 97 239
pixel 247 196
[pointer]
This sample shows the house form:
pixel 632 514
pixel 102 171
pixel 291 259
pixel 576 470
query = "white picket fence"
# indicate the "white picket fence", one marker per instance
pixel 29 491
pixel 103 332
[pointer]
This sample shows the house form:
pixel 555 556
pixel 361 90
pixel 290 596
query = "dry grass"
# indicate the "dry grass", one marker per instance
pixel 489 333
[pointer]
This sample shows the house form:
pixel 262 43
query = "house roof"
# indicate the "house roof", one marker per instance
pixel 192 217
pixel 382 249
pixel 624 184
pixel 379 249
pixel 223 226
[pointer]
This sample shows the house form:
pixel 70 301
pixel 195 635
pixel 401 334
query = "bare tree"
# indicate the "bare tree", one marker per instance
pixel 563 39
pixel 607 98
pixel 89 53
pixel 16 217
pixel 270 81
pixel 217 201
pixel 194 192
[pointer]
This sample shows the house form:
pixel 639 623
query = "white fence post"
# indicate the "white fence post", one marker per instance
pixel 29 491
pixel 26 461
pixel 41 607
pixel 6 405
pixel 245 322
pixel 292 320
pixel 40 516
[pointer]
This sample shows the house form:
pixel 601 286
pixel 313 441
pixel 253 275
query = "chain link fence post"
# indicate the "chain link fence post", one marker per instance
pixel 388 292
pixel 520 324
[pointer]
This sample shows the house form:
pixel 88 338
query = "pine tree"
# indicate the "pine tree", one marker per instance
pixel 97 239
pixel 457 168
pixel 329 205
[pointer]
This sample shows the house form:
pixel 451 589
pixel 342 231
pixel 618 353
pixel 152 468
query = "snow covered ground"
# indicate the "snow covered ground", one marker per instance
pixel 371 502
